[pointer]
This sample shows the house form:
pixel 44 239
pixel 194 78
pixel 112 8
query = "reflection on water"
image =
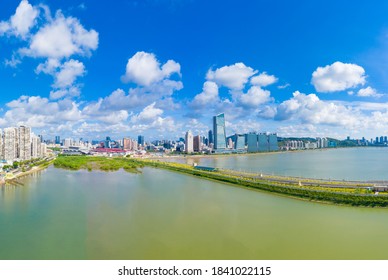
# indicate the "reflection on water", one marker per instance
pixel 164 215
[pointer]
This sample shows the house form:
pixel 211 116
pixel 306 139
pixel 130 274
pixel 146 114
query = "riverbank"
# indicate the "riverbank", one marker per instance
pixel 323 192
pixel 10 176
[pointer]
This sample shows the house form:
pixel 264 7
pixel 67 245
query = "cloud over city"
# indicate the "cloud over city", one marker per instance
pixel 147 88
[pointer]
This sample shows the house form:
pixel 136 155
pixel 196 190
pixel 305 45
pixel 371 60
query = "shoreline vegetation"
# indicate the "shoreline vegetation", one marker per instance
pixel 353 193
pixel 348 194
pixel 97 163
pixel 36 166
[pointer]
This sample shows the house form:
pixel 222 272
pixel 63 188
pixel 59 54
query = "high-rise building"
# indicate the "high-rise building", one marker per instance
pixel 67 142
pixel 140 140
pixel 43 149
pixel 189 142
pixel 252 143
pixel 107 142
pixel 211 141
pixel 239 141
pixel 219 132
pixel 263 142
pixel 9 144
pixel 1 146
pixel 35 146
pixel 197 143
pixel 273 142
pixel 24 143
pixel 129 144
pixel 57 140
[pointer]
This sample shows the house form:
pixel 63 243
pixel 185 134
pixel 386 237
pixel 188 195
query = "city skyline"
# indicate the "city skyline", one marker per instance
pixel 79 69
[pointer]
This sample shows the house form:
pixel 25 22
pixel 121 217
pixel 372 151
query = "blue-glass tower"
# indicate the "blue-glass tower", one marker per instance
pixel 219 132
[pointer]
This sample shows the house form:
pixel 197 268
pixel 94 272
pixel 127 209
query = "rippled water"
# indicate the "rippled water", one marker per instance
pixel 158 214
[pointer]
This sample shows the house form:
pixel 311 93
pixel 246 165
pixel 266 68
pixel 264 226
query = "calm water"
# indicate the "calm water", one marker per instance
pixel 158 214
pixel 348 164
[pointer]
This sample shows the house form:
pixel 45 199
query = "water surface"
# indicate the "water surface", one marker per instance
pixel 60 214
pixel 341 164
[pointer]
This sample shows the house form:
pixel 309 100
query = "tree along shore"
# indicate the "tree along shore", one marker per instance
pixel 343 196
pixel 24 168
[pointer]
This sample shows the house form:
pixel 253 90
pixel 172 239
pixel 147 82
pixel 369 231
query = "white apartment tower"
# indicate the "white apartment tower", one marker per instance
pixel 24 143
pixel 20 144
pixel 35 146
pixel 189 146
pixel 1 145
pixel 9 143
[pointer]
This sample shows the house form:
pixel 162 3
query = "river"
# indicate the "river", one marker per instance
pixel 158 214
pixel 341 164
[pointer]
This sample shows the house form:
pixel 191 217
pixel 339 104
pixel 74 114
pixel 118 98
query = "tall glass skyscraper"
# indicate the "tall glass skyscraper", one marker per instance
pixel 219 132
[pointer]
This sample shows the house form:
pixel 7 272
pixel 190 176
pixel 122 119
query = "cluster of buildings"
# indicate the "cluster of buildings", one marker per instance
pixel 19 144
pixel 319 143
pixel 104 147
pixel 378 141
pixel 217 142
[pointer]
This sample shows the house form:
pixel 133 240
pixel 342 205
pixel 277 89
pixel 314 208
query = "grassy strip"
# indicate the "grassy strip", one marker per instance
pixel 96 163
pixel 300 192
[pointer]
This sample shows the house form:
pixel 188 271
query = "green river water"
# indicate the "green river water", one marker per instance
pixel 158 214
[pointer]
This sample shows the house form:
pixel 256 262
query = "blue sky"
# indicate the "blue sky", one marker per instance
pixel 161 67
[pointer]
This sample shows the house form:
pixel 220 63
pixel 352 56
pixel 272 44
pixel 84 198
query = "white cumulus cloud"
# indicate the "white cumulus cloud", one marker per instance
pixel 209 95
pixel 233 76
pixel 368 92
pixel 338 76
pixel 149 113
pixel 263 80
pixel 68 73
pixel 61 38
pixel 255 97
pixel 22 21
pixel 144 69
pixel 310 109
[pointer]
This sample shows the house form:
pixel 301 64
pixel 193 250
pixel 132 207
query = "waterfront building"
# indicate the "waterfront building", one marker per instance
pixel 24 143
pixel 239 141
pixel 210 134
pixel 230 143
pixel 1 146
pixel 189 142
pixel 9 144
pixel 310 145
pixel 263 142
pixel 252 143
pixel 43 149
pixel 219 132
pixel 197 143
pixel 35 146
pixel 273 142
